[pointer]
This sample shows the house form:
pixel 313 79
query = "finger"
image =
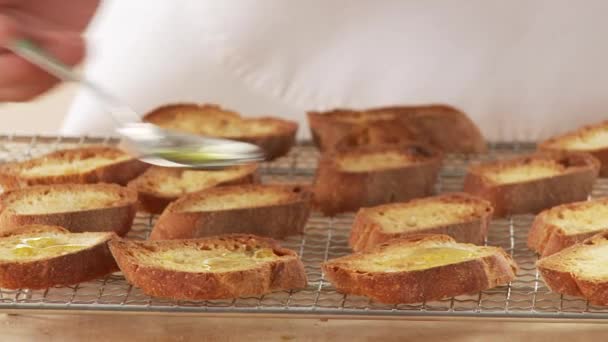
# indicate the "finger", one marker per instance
pixel 54 15
pixel 66 46
pixel 14 70
pixel 26 92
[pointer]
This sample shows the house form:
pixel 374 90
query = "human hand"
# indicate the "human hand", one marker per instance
pixel 56 25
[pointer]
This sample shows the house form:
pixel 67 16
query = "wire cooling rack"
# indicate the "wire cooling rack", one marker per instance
pixel 324 238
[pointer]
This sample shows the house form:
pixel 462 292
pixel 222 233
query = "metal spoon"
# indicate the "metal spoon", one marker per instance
pixel 151 143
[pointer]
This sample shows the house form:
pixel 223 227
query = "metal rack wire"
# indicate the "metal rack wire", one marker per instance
pixel 324 238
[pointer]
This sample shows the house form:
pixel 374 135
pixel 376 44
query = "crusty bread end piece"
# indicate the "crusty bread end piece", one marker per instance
pixel 532 183
pixel 441 126
pixel 275 136
pixel 464 217
pixel 218 267
pixel 38 257
pixel 564 225
pixel 266 210
pixel 349 179
pixel 592 139
pixel 579 270
pixel 91 164
pixel 158 186
pixel 420 268
pixel 77 207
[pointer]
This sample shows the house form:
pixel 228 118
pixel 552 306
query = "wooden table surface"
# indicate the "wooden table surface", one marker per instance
pixel 132 328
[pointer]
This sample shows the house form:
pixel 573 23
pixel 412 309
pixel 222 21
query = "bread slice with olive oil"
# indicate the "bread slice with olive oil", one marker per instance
pixel 84 165
pixel 579 270
pixel 273 210
pixel 532 183
pixel 225 266
pixel 592 139
pixel 76 207
pixel 420 268
pixel 349 179
pixel 38 257
pixel 159 186
pixel 274 135
pixel 464 217
pixel 564 225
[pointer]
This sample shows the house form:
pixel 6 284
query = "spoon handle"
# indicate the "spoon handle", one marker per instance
pixel 34 54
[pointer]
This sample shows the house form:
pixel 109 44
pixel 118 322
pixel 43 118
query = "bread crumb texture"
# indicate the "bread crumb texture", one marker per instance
pixel 178 182
pixel 39 246
pixel 211 120
pixel 361 117
pixel 374 161
pixel 217 259
pixel 586 261
pixel 582 217
pixel 586 140
pixel 230 200
pixel 58 167
pixel 531 170
pixel 60 200
pixel 423 214
pixel 412 257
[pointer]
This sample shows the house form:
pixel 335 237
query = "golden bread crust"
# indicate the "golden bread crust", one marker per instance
pixel 441 126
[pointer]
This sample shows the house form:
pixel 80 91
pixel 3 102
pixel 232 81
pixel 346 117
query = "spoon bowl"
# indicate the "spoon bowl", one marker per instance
pixel 148 142
pixel 169 148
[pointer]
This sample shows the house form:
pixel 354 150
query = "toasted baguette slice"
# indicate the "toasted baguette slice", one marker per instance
pixel 93 164
pixel 78 208
pixel 562 226
pixel 532 183
pixel 275 136
pixel 38 257
pixel 438 125
pixel 227 266
pixel 464 217
pixel 592 139
pixel 347 180
pixel 579 270
pixel 157 187
pixel 420 268
pixel 267 210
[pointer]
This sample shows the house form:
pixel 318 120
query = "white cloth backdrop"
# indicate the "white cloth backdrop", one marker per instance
pixel 522 69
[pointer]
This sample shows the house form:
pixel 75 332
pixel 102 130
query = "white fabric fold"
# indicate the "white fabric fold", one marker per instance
pixel 521 69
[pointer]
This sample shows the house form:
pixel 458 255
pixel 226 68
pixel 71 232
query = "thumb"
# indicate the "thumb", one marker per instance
pixel 66 46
